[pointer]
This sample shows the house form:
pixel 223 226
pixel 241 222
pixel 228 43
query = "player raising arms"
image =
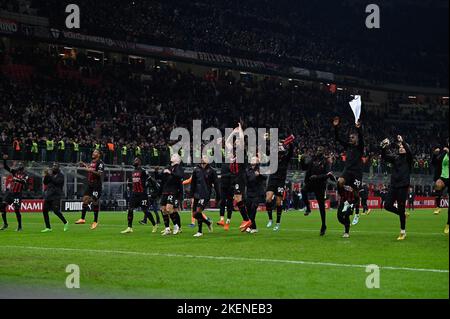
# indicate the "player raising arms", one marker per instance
pixel 353 169
pixel 172 183
pixel 139 196
pixel 277 180
pixel 237 172
pixel 14 195
pixel 401 158
pixel 203 179
pixel 93 189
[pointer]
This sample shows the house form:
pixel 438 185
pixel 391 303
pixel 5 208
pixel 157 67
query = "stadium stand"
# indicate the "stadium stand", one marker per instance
pixel 303 33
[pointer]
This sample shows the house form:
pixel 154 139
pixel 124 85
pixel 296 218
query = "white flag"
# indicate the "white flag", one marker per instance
pixel 356 107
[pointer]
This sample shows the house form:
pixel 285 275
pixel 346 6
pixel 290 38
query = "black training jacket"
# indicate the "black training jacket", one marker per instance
pixel 255 183
pixel 174 181
pixel 354 163
pixel 55 184
pixel 316 169
pixel 202 183
pixel 402 163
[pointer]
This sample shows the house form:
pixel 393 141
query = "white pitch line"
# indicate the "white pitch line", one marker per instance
pixel 229 258
pixel 300 230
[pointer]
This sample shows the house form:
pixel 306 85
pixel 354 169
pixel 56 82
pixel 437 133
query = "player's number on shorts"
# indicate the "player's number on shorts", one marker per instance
pixel 280 190
pixel 357 183
pixel 16 201
pixel 95 194
pixel 144 202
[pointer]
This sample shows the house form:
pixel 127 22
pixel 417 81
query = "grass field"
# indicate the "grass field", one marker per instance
pixel 294 263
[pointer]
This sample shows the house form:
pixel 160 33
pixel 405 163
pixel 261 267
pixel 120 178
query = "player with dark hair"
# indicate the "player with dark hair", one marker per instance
pixel 139 196
pixel 401 158
pixel 255 191
pixel 204 178
pixel 170 200
pixel 14 194
pixel 318 171
pixel 54 183
pixel 93 189
pixel 277 180
pixel 353 169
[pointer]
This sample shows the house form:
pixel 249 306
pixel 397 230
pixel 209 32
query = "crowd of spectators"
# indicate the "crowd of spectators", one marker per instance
pixel 411 46
pixel 127 114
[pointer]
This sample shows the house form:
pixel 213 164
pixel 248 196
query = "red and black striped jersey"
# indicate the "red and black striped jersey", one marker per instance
pixel 94 179
pixel 237 168
pixel 139 180
pixel 20 179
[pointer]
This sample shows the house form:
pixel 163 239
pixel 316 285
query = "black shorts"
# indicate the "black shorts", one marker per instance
pixel 170 199
pixel 14 199
pixel 238 185
pixel 53 205
pixel 353 180
pixel 254 201
pixel 95 192
pixel 276 186
pixel 397 194
pixel 200 203
pixel 153 203
pixel 138 201
pixel 319 192
pixel 226 188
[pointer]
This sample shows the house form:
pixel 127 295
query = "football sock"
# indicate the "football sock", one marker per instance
pixel 269 210
pixel 130 218
pixel 96 211
pixel 19 219
pixel 279 213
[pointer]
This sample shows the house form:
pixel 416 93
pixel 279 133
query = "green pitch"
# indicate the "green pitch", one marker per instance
pixel 294 263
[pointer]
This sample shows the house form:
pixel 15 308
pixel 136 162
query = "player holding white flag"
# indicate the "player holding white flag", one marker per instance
pixel 355 104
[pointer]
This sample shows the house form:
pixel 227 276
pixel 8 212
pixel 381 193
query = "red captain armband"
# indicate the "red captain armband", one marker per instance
pixel 289 140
